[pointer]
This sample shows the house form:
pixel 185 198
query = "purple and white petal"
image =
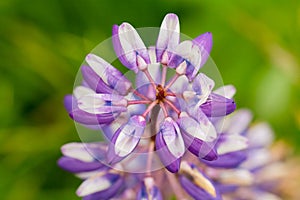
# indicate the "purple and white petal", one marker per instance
pixel 204 42
pixel 231 143
pixel 110 75
pixel 102 186
pixel 169 36
pixel 169 144
pixel 217 106
pixel 228 160
pixel 260 135
pixel 86 152
pixel 187 52
pixel 236 123
pixel 76 166
pixel 102 103
pixel 129 46
pixel 196 184
pixel 94 81
pixel 227 91
pixel 198 137
pixel 126 138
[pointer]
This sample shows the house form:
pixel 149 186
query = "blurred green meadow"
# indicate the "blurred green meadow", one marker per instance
pixel 43 43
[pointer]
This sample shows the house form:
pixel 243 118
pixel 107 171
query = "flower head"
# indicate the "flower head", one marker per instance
pixel 106 94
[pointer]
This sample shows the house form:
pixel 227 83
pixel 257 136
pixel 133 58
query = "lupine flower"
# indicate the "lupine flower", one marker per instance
pixel 105 95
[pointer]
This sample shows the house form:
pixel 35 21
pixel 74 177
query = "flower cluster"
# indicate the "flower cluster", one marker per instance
pixel 162 118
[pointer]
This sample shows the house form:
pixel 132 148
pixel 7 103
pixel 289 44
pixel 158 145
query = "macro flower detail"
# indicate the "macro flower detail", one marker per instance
pixel 106 94
pixel 168 122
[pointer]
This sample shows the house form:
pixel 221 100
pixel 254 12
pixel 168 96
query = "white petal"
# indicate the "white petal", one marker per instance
pixel 93 185
pixel 77 151
pixel 190 52
pixel 260 135
pixel 232 143
pixel 130 41
pixel 227 91
pixel 203 86
pixel 174 140
pixel 98 65
pixel 81 91
pixel 257 158
pixel 168 36
pixel 238 122
pixel 236 176
pixel 129 136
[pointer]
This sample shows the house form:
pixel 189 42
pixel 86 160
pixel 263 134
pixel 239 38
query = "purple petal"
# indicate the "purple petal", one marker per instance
pixel 196 184
pixel 128 46
pixel 125 139
pixel 110 75
pixel 199 148
pixel 91 119
pixel 204 42
pixel 169 35
pixel 68 102
pixel 218 106
pixel 94 81
pixel 101 187
pixel 102 103
pixel 75 166
pixel 229 160
pixel 86 152
pixel 170 144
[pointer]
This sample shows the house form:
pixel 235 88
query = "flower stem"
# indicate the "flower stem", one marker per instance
pixel 150 157
pixel 175 186
pixel 164 75
pixel 149 108
pixel 172 81
pixel 139 94
pixel 149 78
pixel 134 102
pixel 172 106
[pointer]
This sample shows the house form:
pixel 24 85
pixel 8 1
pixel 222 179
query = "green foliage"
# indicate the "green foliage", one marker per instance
pixel 43 43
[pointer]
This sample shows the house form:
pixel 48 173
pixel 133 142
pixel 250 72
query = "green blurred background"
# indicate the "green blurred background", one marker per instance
pixel 43 43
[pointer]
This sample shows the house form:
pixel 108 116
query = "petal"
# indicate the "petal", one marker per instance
pixel 200 148
pixel 110 75
pixel 203 86
pixel 86 152
pixel 69 101
pixel 169 35
pixel 196 184
pixel 205 124
pixel 189 52
pixel 75 166
pixel 128 45
pixel 170 145
pixel 237 123
pixel 91 119
pixel 260 135
pixel 201 129
pixel 217 106
pixel 102 103
pixel 228 160
pixel 227 91
pixel 126 138
pixel 204 42
pixel 102 186
pixel 94 81
pixel 231 143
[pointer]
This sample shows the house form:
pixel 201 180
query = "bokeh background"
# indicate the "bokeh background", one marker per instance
pixel 43 43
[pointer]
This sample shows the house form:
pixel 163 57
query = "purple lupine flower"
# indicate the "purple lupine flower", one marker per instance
pixel 105 95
